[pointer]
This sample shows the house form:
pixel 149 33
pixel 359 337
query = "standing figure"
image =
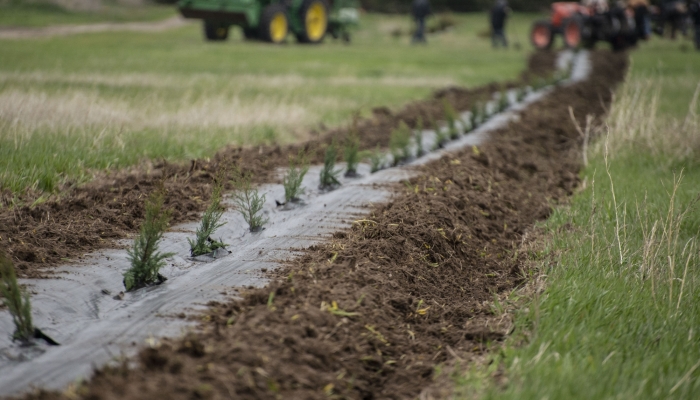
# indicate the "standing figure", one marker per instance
pixel 499 13
pixel 421 11
pixel 695 16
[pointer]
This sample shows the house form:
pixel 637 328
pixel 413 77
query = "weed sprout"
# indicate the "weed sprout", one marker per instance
pixel 16 300
pixel 451 118
pixel 298 167
pixel 400 143
pixel 203 243
pixel 329 175
pixel 419 137
pixel 144 257
pixel 351 153
pixel 248 202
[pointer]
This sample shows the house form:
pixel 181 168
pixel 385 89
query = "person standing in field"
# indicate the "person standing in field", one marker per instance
pixel 695 15
pixel 499 14
pixel 421 11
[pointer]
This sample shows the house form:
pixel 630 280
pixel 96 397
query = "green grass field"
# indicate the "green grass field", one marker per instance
pixel 19 13
pixel 619 316
pixel 72 105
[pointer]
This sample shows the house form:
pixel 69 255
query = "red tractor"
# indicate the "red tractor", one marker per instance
pixel 581 25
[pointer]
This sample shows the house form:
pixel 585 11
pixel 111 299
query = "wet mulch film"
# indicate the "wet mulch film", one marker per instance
pixel 370 314
pixel 92 216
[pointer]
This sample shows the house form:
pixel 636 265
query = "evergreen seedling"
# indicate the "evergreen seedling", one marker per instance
pixel 503 102
pixel 329 175
pixel 475 117
pixel 144 257
pixel 376 160
pixel 16 301
pixel 521 94
pixel 440 137
pixel 249 202
pixel 203 243
pixel 351 153
pixel 419 137
pixel 400 143
pixel 298 167
pixel 451 118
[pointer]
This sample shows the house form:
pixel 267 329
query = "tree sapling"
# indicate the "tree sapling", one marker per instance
pixel 376 160
pixel 451 118
pixel 351 153
pixel 441 137
pixel 248 202
pixel 400 143
pixel 329 175
pixel 298 167
pixel 144 257
pixel 203 243
pixel 419 137
pixel 16 300
pixel 503 101
pixel 476 116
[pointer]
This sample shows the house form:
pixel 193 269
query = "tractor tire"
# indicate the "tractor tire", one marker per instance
pixel 314 18
pixel 572 32
pixel 542 35
pixel 215 32
pixel 274 24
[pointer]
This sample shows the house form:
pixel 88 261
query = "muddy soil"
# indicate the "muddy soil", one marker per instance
pixel 93 216
pixel 370 314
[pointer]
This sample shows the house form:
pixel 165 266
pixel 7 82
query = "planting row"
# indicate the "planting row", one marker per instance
pixel 145 258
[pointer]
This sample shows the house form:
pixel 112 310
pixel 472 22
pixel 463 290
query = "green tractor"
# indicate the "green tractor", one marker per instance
pixel 272 20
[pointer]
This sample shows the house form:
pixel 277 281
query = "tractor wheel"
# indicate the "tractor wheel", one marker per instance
pixel 314 17
pixel 215 32
pixel 541 35
pixel 572 31
pixel 274 23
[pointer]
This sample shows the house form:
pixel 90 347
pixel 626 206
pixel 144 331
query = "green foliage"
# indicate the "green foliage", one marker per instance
pixel 441 137
pixel 376 160
pixel 16 300
pixel 400 143
pixel 351 153
pixel 298 167
pixel 451 118
pixel 476 117
pixel 329 175
pixel 203 243
pixel 503 102
pixel 144 257
pixel 521 94
pixel 249 202
pixel 419 137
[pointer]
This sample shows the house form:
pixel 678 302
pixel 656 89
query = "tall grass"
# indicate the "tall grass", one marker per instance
pixel 620 313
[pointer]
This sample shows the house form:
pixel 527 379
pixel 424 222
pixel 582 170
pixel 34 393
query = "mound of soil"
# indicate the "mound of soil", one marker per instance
pixel 93 216
pixel 370 314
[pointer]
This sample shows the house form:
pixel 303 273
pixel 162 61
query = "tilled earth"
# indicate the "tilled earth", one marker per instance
pixel 370 314
pixel 93 216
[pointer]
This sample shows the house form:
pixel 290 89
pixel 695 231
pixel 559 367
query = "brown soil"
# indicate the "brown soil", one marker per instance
pixel 93 216
pixel 370 314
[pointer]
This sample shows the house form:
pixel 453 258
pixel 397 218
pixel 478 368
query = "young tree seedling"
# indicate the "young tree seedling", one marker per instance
pixel 203 243
pixel 376 160
pixel 503 102
pixel 249 202
pixel 475 117
pixel 329 175
pixel 351 153
pixel 419 137
pixel 16 300
pixel 451 118
pixel 144 257
pixel 441 137
pixel 400 143
pixel 298 167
